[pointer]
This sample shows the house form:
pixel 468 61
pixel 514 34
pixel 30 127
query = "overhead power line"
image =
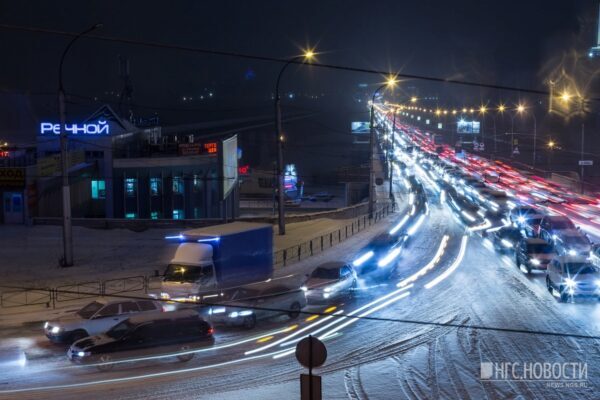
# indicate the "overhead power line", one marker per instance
pixel 311 313
pixel 199 50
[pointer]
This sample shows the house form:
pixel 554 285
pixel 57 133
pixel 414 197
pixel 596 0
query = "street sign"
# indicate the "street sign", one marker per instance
pixel 516 151
pixel 311 352
pixel 586 162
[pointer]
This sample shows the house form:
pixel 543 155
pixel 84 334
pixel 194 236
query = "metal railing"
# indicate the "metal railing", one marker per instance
pixel 82 290
pixel 283 258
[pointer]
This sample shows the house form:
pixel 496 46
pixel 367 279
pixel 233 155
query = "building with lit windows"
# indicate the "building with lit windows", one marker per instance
pixel 117 170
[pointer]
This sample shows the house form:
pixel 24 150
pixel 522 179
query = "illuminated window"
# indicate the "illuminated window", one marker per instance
pixel 177 214
pixel 130 187
pixel 98 189
pixel 155 186
pixel 177 185
pixel 154 215
pixel 197 183
pixel 130 215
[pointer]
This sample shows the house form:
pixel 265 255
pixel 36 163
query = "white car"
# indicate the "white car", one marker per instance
pixel 96 317
pixel 330 280
pixel 568 277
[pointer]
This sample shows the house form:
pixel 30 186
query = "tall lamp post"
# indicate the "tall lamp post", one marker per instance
pixel 307 56
pixel 392 156
pixel 67 260
pixel 390 83
pixel 521 111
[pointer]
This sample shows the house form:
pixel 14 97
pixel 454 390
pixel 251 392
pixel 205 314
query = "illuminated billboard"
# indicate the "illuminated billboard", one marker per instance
pixel 360 127
pixel 230 165
pixel 464 126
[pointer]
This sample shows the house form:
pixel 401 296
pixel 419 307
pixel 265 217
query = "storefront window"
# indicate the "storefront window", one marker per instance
pixel 98 189
pixel 155 186
pixel 177 185
pixel 130 187
pixel 177 214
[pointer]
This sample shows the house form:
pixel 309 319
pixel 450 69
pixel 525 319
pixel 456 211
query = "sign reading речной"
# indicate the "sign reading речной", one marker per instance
pixel 91 129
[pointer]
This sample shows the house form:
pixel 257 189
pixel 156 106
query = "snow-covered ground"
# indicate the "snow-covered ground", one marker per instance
pixel 467 305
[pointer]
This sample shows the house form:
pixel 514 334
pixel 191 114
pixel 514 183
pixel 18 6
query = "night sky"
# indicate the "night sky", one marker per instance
pixel 499 42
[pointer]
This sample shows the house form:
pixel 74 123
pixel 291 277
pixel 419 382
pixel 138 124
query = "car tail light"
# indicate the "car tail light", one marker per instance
pixel 210 331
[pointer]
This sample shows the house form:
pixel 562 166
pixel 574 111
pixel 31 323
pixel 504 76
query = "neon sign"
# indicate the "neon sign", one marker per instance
pixel 98 129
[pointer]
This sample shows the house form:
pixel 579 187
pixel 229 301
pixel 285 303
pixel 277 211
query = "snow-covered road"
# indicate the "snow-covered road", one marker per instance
pixel 381 358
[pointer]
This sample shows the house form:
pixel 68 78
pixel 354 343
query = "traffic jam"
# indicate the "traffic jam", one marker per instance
pixel 544 227
pixel 221 280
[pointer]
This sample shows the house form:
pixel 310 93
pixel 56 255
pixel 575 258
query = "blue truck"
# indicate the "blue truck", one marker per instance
pixel 210 260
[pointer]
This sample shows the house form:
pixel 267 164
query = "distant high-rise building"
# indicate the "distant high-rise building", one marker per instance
pixel 595 51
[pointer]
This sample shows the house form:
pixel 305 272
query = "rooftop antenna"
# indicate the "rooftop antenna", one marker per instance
pixel 127 90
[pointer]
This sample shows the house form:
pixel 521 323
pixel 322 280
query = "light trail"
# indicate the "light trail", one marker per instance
pixel 299 331
pixel 330 334
pixel 438 255
pixel 455 264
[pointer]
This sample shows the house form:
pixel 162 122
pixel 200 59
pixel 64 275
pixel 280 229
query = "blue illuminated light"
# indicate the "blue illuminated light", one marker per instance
pixel 215 239
pixel 180 237
pixel 97 129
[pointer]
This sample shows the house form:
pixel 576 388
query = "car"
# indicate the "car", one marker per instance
pixel 595 255
pixel 572 242
pixel 96 317
pixel 533 253
pixel 496 201
pixel 550 225
pixel 506 238
pixel 521 215
pixel 567 277
pixel 330 280
pixel 248 305
pixel 153 333
pixel 371 256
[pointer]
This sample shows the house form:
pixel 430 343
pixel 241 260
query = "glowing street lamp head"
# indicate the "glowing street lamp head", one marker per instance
pixel 565 96
pixel 482 109
pixel 551 144
pixel 501 108
pixel 309 55
pixel 464 110
pixel 520 108
pixel 413 99
pixel 391 82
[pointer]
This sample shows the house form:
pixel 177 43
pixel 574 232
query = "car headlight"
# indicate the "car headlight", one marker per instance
pixel 597 282
pixel 328 290
pixel 304 288
pixel 570 283
pixel 521 219
pixel 83 353
pixel 506 243
pixel 534 261
pixel 55 329
pixel 572 252
pixel 164 295
pixel 243 313
pixel 216 310
pixel 45 325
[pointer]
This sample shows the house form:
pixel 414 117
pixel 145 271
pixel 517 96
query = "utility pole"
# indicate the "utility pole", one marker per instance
pixel 581 158
pixel 371 207
pixel 67 259
pixel 307 56
pixel 391 155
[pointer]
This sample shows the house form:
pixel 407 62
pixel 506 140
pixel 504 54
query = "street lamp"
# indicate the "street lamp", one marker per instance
pixel 482 111
pixel 389 84
pixel 67 260
pixel 521 110
pixel 307 56
pixel 391 165
pixel 551 146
